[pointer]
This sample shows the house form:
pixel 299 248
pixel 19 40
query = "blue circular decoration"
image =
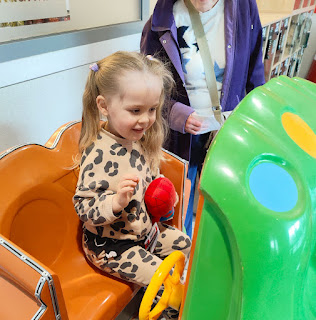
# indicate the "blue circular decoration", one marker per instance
pixel 273 187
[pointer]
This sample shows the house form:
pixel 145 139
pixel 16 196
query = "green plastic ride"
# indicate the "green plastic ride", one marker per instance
pixel 255 255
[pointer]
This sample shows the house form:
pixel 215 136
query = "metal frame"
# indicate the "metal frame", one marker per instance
pixel 38 45
pixel 45 277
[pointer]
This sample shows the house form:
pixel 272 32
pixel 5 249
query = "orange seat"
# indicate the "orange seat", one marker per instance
pixel 43 270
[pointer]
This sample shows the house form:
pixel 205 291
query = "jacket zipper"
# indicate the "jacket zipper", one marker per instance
pixel 233 48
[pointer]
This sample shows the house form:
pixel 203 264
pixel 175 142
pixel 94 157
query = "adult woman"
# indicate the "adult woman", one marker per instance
pixel 233 33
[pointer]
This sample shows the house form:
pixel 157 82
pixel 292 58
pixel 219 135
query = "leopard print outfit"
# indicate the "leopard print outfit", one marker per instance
pixel 114 241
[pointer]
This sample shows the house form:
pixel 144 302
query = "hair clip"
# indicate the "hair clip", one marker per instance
pixel 94 67
pixel 149 57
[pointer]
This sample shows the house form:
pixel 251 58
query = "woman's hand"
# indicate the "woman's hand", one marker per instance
pixel 192 125
pixel 125 190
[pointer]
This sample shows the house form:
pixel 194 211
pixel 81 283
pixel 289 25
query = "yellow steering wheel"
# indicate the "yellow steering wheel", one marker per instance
pixel 173 288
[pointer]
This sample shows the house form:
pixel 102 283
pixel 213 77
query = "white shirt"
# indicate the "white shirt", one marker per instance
pixel 192 65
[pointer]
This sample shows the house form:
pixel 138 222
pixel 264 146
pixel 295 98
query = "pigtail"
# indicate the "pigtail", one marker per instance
pixel 156 135
pixel 90 114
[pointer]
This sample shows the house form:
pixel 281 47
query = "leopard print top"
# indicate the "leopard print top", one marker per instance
pixel 102 166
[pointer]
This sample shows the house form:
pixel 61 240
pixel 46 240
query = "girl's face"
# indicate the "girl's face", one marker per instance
pixel 203 5
pixel 133 111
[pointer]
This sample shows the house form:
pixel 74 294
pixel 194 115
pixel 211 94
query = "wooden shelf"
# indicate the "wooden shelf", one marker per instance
pixel 268 18
pixel 301 10
pixel 285 57
pixel 276 6
pixel 285 34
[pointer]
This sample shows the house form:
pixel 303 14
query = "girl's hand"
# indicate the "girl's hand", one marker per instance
pixel 192 125
pixel 177 199
pixel 124 193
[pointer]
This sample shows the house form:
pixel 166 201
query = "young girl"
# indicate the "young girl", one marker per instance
pixel 118 161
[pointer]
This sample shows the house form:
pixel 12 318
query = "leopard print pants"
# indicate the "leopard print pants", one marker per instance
pixel 137 264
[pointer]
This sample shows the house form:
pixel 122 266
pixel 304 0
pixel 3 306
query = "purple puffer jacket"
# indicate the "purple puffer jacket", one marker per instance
pixel 244 69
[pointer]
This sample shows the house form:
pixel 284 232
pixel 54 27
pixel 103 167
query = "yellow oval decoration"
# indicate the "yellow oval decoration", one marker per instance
pixel 300 132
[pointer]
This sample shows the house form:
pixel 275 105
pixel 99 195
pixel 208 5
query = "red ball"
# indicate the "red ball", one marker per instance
pixel 160 198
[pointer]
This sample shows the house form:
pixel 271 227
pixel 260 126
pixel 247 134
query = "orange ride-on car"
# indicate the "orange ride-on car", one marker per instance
pixel 43 271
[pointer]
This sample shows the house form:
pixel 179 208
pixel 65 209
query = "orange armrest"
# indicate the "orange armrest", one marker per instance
pixel 14 264
pixel 27 274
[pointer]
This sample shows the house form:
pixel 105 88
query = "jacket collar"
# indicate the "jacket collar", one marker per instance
pixel 163 15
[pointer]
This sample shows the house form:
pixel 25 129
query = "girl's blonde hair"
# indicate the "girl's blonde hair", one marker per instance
pixel 106 82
